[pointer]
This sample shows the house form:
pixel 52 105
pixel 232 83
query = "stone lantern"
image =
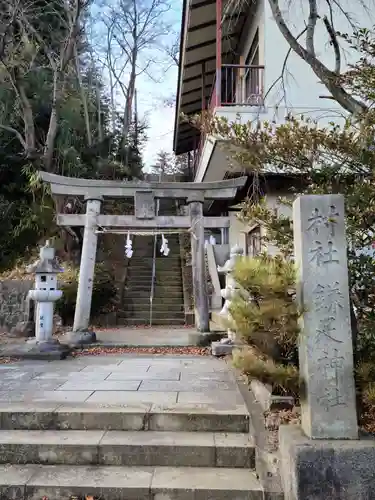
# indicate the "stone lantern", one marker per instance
pixel 225 345
pixel 45 294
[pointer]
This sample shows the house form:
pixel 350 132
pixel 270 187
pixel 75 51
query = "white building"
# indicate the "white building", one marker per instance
pixel 232 57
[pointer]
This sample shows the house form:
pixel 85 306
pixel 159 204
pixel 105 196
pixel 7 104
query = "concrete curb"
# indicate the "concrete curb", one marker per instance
pixel 266 461
pixel 268 401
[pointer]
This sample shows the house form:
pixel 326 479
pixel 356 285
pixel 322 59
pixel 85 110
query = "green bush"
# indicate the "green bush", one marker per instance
pixel 104 291
pixel 265 316
pixel 282 378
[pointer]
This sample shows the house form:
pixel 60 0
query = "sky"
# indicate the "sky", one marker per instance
pixel 159 116
pixel 151 102
pixel 153 90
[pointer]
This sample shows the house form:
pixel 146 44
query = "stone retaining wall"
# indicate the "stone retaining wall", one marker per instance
pixel 13 303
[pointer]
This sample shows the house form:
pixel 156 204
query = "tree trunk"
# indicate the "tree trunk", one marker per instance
pixel 83 97
pixel 50 140
pixel 28 118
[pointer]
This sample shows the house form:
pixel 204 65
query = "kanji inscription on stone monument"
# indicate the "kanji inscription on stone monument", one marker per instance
pixel 328 298
pixel 326 356
pixel 318 220
pixel 332 364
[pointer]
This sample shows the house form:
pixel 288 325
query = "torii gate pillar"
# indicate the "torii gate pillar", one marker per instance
pixel 87 267
pixel 201 309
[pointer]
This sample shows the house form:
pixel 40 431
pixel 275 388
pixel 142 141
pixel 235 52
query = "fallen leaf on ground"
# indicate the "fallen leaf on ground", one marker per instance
pixel 98 351
pixel 8 361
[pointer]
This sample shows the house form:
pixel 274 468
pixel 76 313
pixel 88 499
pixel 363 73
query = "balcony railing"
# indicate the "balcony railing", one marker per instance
pixel 240 85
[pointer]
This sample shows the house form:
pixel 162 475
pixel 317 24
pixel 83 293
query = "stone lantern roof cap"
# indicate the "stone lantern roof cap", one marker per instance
pixel 47 262
pixel 236 250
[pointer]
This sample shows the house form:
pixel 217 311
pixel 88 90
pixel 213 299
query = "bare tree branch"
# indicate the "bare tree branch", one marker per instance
pixel 326 76
pixel 283 68
pixel 20 38
pixel 311 25
pixel 16 133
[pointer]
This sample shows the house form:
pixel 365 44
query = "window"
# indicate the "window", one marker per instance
pixel 253 243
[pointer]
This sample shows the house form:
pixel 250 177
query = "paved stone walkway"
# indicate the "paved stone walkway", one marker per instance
pixel 155 336
pixel 121 380
pixel 146 336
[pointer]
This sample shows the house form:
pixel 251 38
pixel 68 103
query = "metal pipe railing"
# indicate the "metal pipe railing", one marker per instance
pixel 241 85
pixel 154 263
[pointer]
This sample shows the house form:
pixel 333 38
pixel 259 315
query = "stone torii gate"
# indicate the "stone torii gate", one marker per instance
pixel 145 219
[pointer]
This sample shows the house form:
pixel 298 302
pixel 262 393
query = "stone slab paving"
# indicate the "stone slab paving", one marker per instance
pixel 155 336
pixel 127 379
pixel 144 336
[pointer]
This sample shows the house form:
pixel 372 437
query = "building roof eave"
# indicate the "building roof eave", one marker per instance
pixel 198 49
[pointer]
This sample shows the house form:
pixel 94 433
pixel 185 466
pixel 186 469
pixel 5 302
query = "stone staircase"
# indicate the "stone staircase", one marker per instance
pixel 113 453
pixel 168 301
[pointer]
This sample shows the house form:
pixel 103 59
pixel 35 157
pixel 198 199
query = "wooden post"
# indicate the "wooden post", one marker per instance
pixel 87 267
pixel 202 318
pixel 240 84
pixel 204 104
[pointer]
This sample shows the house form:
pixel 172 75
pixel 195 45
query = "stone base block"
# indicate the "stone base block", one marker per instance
pixel 220 349
pixel 34 350
pixel 204 339
pixel 23 329
pixel 189 318
pixel 325 469
pixel 79 338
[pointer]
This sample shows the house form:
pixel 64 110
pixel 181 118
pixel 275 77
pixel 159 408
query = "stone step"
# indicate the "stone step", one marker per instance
pixel 159 265
pixel 155 321
pixel 148 271
pixel 164 292
pixel 171 288
pixel 136 304
pixel 148 251
pixel 144 417
pixel 172 268
pixel 62 482
pixel 131 448
pixel 156 315
pixel 137 297
pixel 158 257
pixel 157 301
pixel 176 306
pixel 134 277
pixel 159 277
pixel 131 304
pixel 145 308
pixel 157 287
pixel 150 244
pixel 164 286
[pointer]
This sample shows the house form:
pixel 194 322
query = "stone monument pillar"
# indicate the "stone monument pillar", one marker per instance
pixel 326 354
pixel 314 460
pixel 87 267
pixel 202 317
